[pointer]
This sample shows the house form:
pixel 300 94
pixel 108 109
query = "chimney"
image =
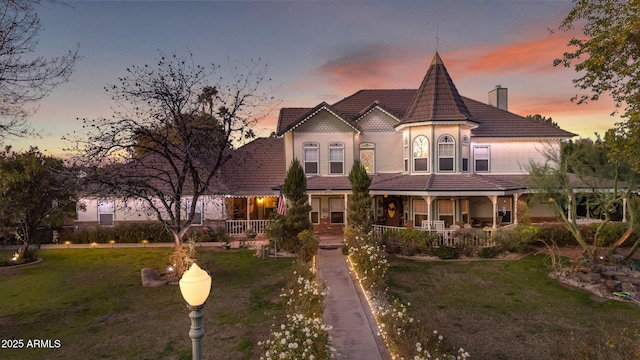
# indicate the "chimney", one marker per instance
pixel 498 97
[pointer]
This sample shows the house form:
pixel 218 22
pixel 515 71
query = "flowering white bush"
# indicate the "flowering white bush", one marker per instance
pixel 303 334
pixel 300 337
pixel 405 338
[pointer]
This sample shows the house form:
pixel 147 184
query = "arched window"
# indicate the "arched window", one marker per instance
pixel 421 153
pixel 368 157
pixel 446 153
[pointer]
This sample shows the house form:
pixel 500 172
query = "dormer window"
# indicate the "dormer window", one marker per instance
pixel 421 154
pixel 336 158
pixel 446 153
pixel 311 156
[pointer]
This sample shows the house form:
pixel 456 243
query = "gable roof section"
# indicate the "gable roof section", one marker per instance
pixel 287 122
pixel 437 98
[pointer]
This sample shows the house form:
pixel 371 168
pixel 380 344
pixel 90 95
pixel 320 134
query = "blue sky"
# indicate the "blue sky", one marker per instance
pixel 319 51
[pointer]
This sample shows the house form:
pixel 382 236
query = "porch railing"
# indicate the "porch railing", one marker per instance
pixel 447 237
pixel 238 227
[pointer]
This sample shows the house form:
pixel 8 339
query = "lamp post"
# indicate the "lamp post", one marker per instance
pixel 195 286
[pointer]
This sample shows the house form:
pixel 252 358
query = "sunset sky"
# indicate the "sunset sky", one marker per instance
pixel 319 51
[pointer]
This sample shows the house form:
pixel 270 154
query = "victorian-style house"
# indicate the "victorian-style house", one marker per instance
pixel 433 155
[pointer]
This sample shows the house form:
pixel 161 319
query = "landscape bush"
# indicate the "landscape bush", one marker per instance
pixel 134 232
pixel 303 335
pixel 516 239
pixel 308 245
pixel 447 252
pixel 407 242
pixel 488 252
pixel 558 233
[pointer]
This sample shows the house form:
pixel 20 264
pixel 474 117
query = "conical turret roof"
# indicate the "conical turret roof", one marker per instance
pixel 437 99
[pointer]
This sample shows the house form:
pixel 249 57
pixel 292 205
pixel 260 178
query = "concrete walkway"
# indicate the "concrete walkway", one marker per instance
pixel 345 308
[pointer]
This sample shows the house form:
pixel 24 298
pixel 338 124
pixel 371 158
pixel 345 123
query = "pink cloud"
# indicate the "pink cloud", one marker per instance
pixel 533 55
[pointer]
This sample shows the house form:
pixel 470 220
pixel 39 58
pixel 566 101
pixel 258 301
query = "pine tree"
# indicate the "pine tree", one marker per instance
pixel 297 216
pixel 360 201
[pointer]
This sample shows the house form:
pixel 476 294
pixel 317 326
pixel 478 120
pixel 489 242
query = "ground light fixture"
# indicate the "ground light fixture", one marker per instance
pixel 195 286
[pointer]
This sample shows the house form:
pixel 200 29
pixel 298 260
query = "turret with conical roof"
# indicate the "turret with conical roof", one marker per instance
pixel 437 99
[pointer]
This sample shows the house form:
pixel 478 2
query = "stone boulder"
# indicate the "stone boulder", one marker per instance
pixel 150 278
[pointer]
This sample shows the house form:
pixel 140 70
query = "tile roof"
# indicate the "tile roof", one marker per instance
pixel 448 182
pixel 437 98
pixel 255 168
pixel 429 182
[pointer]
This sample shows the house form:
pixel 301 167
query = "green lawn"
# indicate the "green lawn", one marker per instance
pixel 508 309
pixel 92 301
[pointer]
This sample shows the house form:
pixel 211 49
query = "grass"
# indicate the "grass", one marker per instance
pixel 507 309
pixel 92 301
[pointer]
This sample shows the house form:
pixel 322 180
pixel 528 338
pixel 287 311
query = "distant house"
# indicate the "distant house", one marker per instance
pixel 433 155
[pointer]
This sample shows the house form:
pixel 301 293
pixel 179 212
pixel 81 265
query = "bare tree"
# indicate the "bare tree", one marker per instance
pixel 170 135
pixel 25 79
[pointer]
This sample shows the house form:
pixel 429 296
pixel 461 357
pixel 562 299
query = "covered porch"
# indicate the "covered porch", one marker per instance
pixel 251 212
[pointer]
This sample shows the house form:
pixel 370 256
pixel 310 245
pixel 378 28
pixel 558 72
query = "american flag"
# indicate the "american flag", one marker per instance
pixel 282 205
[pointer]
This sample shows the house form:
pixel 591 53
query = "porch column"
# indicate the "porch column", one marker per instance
pixel 624 209
pixel 515 208
pixel 494 201
pixel 428 199
pixel 248 208
pixel 309 202
pixel 588 214
pixel 346 209
pixel 569 206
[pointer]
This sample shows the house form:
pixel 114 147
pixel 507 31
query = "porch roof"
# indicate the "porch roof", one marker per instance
pixel 398 182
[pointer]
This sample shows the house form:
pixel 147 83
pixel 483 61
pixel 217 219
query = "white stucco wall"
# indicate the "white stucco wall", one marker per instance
pixel 511 157
pixel 136 210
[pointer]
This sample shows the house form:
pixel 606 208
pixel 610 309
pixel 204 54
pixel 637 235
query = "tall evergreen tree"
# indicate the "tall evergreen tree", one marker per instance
pixel 360 201
pixel 297 216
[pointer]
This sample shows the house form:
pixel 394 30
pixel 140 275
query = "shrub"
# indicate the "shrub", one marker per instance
pixel 309 245
pixel 407 241
pixel 488 252
pixel 303 335
pixel 609 234
pixel 557 233
pixel 122 232
pixel 447 252
pixel 465 249
pixel 516 239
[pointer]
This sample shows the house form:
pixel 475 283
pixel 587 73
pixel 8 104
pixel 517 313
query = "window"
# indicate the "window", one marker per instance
pixel 446 153
pixel 336 158
pixel 197 216
pixel 420 153
pixel 420 212
pixel 481 156
pixel 465 164
pixel 106 212
pixel 446 211
pixel 315 211
pixel 311 152
pixel 368 157
pixel 405 153
pixel 336 210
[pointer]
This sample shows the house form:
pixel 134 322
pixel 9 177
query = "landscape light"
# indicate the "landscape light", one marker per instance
pixel 195 286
